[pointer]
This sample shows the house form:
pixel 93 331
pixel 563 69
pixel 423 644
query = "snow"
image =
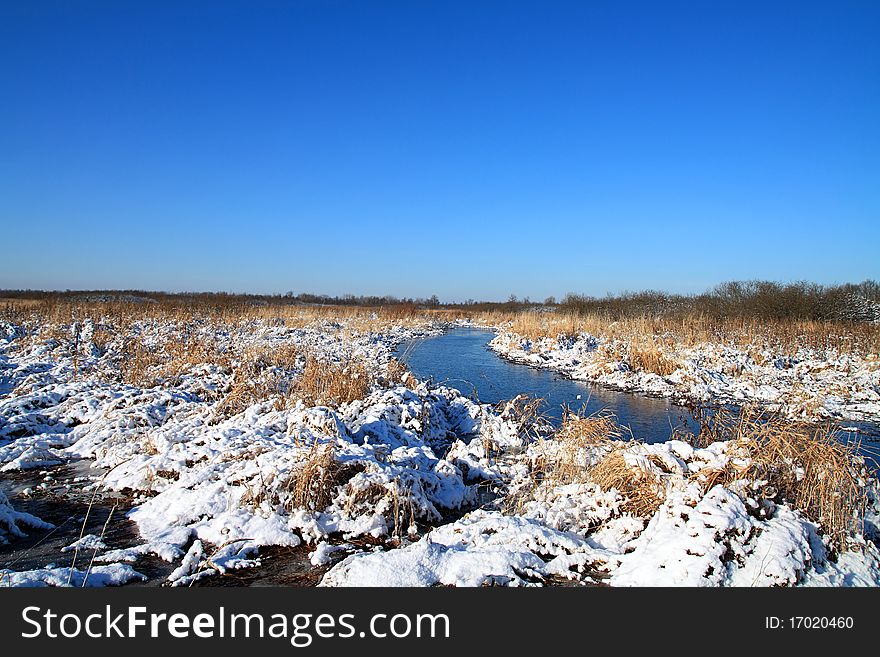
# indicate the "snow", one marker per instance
pixel 227 482
pixel 716 542
pixel 484 548
pixel 12 521
pixel 87 542
pixel 324 551
pixel 112 575
pixel 693 539
pixel 810 384
pixel 210 489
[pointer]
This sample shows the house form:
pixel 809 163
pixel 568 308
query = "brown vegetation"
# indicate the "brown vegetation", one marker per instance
pixel 647 357
pixel 809 467
pixel 313 483
pixel 332 384
pixel 688 330
pixel 805 466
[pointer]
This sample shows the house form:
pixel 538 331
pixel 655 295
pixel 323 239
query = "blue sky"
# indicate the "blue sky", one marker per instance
pixel 464 149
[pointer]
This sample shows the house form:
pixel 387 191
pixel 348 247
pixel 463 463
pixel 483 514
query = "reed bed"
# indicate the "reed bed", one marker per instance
pixel 43 316
pixel 188 340
pixel 805 466
pixel 692 329
pixel 684 328
pixel 646 356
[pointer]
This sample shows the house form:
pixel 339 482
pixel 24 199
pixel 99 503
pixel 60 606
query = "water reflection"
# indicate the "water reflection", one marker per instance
pixel 461 359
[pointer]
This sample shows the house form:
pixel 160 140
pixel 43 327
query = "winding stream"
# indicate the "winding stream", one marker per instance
pixel 461 359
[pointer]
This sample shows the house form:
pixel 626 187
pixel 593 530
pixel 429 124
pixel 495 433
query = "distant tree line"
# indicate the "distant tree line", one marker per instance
pixel 748 299
pixel 744 299
pixel 289 298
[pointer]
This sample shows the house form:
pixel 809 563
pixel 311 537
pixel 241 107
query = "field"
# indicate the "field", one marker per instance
pixel 196 440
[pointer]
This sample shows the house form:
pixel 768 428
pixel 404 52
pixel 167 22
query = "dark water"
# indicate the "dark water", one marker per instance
pixel 462 360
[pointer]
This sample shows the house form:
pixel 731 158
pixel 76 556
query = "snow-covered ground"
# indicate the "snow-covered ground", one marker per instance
pixel 701 535
pixel 370 486
pixel 807 385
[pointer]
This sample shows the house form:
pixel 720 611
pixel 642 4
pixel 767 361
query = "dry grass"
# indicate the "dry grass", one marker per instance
pixel 397 373
pixel 147 366
pixel 249 386
pixel 332 384
pixel 536 326
pixel 526 414
pixel 591 450
pixel 313 484
pixel 806 466
pixel 579 439
pixel 642 490
pixel 567 455
pixel 392 499
pixel 14 306
pixel 188 341
pixel 684 329
pixel 261 374
pixel 716 423
pixel 42 315
pixel 688 330
pixel 646 356
pixel 202 334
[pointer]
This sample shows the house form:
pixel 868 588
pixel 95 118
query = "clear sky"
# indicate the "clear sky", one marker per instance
pixel 464 149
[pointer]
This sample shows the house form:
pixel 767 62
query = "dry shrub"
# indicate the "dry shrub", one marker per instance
pixel 566 456
pixel 806 466
pixel 332 384
pixel 642 490
pixel 312 484
pixel 649 358
pixel 579 439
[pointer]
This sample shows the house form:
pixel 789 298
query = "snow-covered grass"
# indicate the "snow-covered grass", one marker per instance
pixel 810 370
pixel 591 508
pixel 230 432
pixel 332 438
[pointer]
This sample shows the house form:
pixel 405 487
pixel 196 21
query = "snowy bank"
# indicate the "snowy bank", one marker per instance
pixel 808 384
